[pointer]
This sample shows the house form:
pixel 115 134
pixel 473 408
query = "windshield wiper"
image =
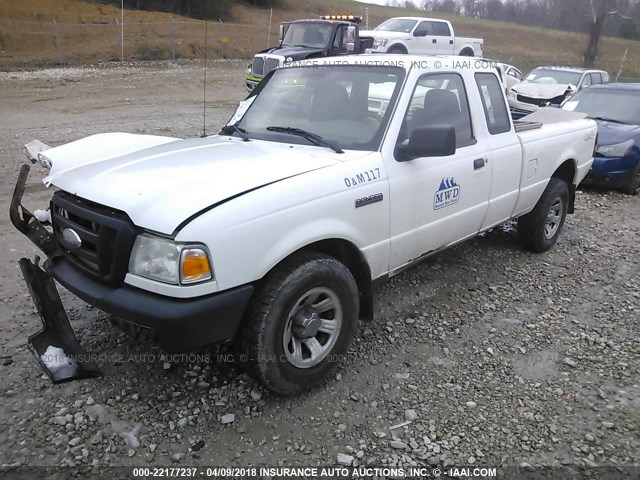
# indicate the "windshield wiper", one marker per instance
pixel 229 129
pixel 312 137
pixel 605 119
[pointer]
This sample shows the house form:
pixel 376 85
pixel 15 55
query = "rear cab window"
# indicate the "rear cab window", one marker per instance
pixel 495 108
pixel 441 29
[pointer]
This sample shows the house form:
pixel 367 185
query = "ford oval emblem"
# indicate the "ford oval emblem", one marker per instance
pixel 72 238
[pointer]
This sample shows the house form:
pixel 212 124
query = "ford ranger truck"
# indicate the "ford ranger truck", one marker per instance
pixel 274 232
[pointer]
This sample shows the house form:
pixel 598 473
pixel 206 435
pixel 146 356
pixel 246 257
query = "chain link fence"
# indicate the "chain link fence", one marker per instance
pixel 25 43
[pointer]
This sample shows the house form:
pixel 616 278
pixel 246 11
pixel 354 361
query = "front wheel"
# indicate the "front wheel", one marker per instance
pixel 632 187
pixel 397 50
pixel 300 324
pixel 539 230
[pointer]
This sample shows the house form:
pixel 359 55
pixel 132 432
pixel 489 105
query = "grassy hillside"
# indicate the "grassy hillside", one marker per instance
pixel 87 32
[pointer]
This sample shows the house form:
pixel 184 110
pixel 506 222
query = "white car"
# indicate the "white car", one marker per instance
pixel 421 36
pixel 509 75
pixel 274 232
pixel 550 86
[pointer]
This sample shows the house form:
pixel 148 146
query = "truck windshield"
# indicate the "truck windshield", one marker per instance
pixel 553 77
pixel 340 104
pixel 397 25
pixel 308 34
pixel 621 106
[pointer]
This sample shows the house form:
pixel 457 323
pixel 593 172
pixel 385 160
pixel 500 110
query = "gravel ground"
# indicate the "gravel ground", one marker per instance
pixel 484 355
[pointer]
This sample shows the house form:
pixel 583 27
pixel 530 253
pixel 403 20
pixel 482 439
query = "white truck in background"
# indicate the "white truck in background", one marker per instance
pixel 421 36
pixel 274 232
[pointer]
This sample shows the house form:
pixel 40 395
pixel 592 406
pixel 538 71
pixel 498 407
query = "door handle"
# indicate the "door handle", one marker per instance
pixel 434 40
pixel 450 42
pixel 479 163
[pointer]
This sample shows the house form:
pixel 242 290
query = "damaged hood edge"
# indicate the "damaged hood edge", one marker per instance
pixel 542 91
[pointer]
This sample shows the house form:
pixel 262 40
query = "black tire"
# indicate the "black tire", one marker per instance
pixel 275 314
pixel 538 230
pixel 467 52
pixel 396 49
pixel 632 186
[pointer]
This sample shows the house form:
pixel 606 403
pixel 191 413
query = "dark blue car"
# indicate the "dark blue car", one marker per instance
pixel 616 108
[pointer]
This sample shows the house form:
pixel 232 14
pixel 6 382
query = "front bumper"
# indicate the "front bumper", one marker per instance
pixel 180 324
pixel 611 172
pixel 251 81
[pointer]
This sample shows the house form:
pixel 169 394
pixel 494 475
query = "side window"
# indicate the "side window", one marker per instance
pixel 495 109
pixel 596 78
pixel 586 81
pixel 605 77
pixel 441 29
pixel 514 73
pixel 340 41
pixel 423 29
pixel 439 99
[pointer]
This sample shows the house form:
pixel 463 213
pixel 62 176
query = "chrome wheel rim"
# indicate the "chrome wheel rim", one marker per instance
pixel 554 218
pixel 313 326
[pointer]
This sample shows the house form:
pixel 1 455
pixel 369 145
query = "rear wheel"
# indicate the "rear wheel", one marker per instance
pixel 633 184
pixel 539 230
pixel 300 324
pixel 467 52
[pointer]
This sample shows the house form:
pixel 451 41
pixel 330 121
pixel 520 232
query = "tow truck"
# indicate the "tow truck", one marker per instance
pixel 327 36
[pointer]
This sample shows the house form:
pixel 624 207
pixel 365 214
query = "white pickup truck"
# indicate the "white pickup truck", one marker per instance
pixel 274 232
pixel 421 36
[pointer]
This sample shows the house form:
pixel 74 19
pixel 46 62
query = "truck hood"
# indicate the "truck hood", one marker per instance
pixel 610 133
pixel 297 52
pixel 541 91
pixel 162 186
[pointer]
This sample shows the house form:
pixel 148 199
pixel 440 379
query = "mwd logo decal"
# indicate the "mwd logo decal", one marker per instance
pixel 448 194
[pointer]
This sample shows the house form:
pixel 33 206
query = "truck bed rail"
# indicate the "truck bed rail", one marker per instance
pixel 523 126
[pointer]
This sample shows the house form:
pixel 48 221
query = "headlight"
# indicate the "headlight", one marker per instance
pixel 166 261
pixel 615 150
pixel 381 42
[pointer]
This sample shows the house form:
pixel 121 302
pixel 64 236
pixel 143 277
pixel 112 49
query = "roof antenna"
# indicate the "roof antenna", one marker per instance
pixel 204 92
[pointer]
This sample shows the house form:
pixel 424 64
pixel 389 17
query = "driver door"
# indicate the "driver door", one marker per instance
pixel 438 201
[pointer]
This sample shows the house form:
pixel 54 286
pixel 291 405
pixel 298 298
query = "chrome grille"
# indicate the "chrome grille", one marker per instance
pixel 270 64
pixel 257 67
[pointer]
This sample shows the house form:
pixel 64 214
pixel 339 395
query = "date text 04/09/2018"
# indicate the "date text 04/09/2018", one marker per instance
pixel 302 472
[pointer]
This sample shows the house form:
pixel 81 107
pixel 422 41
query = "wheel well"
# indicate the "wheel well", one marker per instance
pixel 467 52
pixel 567 172
pixel 398 46
pixel 349 255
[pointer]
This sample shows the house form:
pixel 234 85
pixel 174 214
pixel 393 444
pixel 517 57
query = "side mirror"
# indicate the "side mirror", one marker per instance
pixel 433 141
pixel 365 42
pixel 351 39
pixel 281 34
pixel 420 33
